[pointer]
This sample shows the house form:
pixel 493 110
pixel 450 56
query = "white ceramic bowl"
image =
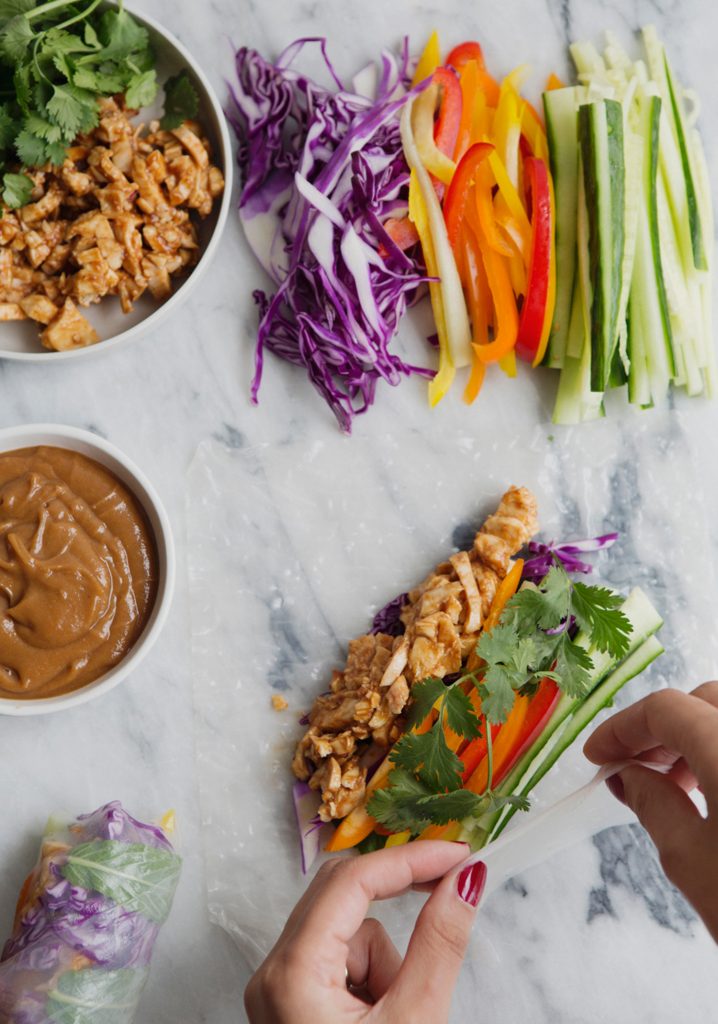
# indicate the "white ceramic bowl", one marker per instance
pixel 20 339
pixel 108 455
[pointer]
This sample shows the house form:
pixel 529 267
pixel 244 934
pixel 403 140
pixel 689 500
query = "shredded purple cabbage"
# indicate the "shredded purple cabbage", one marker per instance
pixel 545 555
pixel 322 170
pixel 387 619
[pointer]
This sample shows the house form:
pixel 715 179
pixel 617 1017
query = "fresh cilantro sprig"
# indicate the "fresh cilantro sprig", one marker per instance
pixel 57 58
pixel 532 640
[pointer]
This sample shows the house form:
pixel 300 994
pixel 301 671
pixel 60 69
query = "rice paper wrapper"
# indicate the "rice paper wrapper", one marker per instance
pixel 87 921
pixel 293 547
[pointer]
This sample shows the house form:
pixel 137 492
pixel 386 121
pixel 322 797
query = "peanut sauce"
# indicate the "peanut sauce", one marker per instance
pixel 78 571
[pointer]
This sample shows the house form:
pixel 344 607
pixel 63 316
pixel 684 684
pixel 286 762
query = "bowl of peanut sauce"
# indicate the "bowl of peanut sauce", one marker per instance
pixel 86 567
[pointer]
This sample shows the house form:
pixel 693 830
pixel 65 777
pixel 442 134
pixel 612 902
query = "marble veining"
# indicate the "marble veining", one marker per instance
pixel 596 934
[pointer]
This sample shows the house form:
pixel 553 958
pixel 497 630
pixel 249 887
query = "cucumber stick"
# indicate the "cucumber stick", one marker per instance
pixel 645 621
pixel 602 697
pixel 561 110
pixel 601 140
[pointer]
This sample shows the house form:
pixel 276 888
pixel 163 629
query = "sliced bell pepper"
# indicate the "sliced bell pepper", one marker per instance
pixel 401 231
pixel 507 125
pixel 533 311
pixel 460 188
pixel 508 364
pixel 551 299
pixel 451 104
pixel 485 210
pixel 507 740
pixel 533 131
pixel 504 592
pixel 433 159
pixel 471 51
pixel 473 275
pixel 509 199
pixel 505 310
pixel 540 710
pixel 553 82
pixel 477 751
pixel 399 838
pixel 470 96
pixel 429 60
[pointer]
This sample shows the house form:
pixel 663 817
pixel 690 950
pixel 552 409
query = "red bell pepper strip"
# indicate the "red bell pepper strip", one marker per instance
pixel 540 710
pixel 476 751
pixel 533 311
pixel 446 130
pixel 460 187
pixel 460 57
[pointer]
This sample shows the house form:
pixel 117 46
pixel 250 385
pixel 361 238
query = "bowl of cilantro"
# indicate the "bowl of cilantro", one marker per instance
pixel 108 127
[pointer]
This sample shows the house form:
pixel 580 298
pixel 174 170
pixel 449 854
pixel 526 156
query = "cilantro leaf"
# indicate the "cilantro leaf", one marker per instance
pixel 460 714
pixel 597 611
pixel 573 665
pixel 11 8
pixel 546 605
pixel 121 35
pixel 497 692
pixel 8 128
pixel 429 758
pixel 15 38
pixel 44 130
pixel 17 189
pixel 181 101
pixel 423 697
pixel 31 149
pixel 73 109
pixel 499 643
pixel 141 90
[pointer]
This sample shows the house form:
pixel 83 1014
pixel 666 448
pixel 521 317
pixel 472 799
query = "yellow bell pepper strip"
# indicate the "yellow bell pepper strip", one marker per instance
pixel 506 312
pixel 467 172
pixel 508 364
pixel 471 51
pixel 534 309
pixel 437 163
pixel 533 132
pixel 450 312
pixel 485 209
pixel 429 60
pixel 399 838
pixel 507 125
pixel 509 199
pixel 553 82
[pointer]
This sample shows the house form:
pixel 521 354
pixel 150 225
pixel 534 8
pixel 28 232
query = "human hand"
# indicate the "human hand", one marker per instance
pixel 680 730
pixel 330 965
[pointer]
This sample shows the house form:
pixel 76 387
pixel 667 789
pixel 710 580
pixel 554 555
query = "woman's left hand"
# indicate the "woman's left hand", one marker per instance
pixel 332 964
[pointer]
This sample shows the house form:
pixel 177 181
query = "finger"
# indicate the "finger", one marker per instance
pixel 438 945
pixel 678 721
pixel 374 961
pixel 342 896
pixel 667 813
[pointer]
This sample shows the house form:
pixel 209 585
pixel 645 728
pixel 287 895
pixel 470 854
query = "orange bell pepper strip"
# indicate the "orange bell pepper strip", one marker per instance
pixel 506 741
pixel 461 188
pixel 429 60
pixel 506 312
pixel 485 209
pixel 504 592
pixel 476 286
pixel 554 82
pixel 536 301
pixel 508 203
pixel 471 96
pixel 532 130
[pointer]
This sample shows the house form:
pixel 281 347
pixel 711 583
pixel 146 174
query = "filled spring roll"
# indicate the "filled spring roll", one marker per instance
pixel 87 920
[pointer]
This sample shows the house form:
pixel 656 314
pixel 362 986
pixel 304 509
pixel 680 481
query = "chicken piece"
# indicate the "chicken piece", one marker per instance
pixel 34 213
pixel 342 790
pixel 192 143
pixel 367 659
pixel 515 521
pixel 463 569
pixel 57 259
pixel 9 227
pixel 157 165
pixel 181 179
pixel 78 182
pixel 435 650
pixel 69 330
pixel 155 271
pixel 95 278
pixel 11 311
pixel 123 153
pixel 215 182
pixel 39 307
pixel 129 289
pixel 150 199
pixel 117 198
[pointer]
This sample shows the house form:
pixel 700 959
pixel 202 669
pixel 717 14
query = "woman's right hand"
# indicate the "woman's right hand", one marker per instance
pixel 679 729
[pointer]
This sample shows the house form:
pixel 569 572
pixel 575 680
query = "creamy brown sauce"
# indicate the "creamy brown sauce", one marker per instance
pixel 78 571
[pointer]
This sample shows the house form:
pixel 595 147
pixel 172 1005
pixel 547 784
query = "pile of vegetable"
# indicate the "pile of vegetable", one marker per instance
pixel 56 60
pixel 634 233
pixel 481 201
pixel 553 654
pixel 323 171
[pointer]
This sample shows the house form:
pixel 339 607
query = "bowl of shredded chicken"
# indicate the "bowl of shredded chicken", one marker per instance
pixel 115 237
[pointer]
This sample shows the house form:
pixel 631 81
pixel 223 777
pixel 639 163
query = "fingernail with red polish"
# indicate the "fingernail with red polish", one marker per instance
pixel 470 883
pixel 615 785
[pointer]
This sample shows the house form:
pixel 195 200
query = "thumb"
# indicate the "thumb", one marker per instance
pixel 426 980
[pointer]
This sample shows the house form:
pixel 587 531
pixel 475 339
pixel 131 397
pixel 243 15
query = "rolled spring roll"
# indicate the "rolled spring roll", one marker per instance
pixel 87 920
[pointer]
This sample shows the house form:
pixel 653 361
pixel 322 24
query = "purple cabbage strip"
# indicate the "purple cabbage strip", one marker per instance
pixel 387 619
pixel 545 555
pixel 342 285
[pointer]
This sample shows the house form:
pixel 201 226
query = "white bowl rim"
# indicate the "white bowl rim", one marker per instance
pixel 27 436
pixel 157 316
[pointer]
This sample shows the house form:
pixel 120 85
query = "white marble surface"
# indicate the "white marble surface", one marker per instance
pixel 594 935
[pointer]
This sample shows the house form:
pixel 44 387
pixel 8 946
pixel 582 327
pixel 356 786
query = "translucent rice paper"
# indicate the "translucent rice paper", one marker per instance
pixel 293 546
